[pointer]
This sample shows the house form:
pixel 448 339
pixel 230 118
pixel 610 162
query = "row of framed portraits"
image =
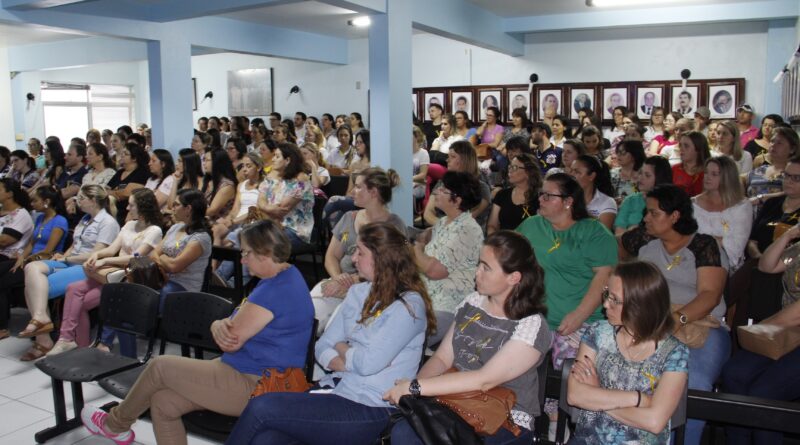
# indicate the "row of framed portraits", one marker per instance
pixel 721 96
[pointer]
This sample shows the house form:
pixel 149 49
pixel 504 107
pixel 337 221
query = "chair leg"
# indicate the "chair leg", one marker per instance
pixel 316 272
pixel 679 433
pixel 60 407
pixel 561 426
pixel 77 399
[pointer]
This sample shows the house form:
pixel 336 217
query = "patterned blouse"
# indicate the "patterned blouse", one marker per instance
pixel 617 372
pixel 300 218
pixel 209 195
pixel 622 187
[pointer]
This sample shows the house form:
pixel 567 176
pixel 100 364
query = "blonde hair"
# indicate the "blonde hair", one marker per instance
pixel 730 186
pixel 100 196
pixel 737 151
pixel 419 136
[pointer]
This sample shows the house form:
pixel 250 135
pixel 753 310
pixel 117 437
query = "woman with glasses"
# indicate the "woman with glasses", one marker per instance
pixel 133 174
pixel 447 254
pixel 695 271
pixel 765 180
pixel 49 279
pixel 512 205
pixel 621 359
pixel 630 157
pixel 23 169
pixel 490 132
pixel 656 126
pixel 783 209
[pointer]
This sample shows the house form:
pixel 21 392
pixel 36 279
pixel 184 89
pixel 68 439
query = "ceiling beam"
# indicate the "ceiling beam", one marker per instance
pixel 36 4
pixel 187 9
pixel 360 6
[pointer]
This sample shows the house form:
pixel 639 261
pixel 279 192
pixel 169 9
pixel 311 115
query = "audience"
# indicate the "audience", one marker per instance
pixel 16 229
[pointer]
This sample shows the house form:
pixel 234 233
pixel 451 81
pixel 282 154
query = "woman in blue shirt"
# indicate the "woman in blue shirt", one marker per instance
pixel 270 329
pixel 374 340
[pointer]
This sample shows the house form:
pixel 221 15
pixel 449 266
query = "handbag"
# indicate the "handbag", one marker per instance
pixel 272 380
pixel 103 274
pixel 769 340
pixel 436 424
pixel 142 270
pixel 484 411
pixel 695 333
pixel 483 151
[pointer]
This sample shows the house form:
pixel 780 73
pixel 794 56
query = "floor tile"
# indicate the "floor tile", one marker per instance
pixel 17 415
pixel 24 383
pixel 44 399
pixel 24 436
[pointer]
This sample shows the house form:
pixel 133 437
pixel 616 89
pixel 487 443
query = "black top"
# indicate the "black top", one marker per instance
pixel 754 148
pixel 431 132
pixel 764 225
pixel 511 215
pixel 138 176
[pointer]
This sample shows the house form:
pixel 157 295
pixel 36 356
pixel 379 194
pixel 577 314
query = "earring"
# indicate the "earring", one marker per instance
pixel 567 207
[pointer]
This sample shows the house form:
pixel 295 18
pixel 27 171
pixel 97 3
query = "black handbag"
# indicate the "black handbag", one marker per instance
pixel 436 424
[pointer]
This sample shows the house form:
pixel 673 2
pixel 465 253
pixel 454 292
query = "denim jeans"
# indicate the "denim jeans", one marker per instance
pixel 705 365
pixel 127 342
pixel 303 418
pixel 754 375
pixel 403 434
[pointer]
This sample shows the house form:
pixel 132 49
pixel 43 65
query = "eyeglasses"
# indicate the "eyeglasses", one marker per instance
pixel 443 191
pixel 612 300
pixel 548 196
pixel 791 177
pixel 513 168
pixel 245 253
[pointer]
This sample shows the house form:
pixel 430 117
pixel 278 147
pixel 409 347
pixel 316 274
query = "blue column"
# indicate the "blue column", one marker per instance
pixel 390 99
pixel 781 44
pixel 170 71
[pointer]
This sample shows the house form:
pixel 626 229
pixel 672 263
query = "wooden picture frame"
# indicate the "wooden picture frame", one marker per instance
pixel 492 96
pixel 461 99
pixel 581 97
pixel 613 95
pixel 648 96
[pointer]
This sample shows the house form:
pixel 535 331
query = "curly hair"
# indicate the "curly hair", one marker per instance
pixel 395 272
pixel 515 254
pixel 147 206
pixel 531 166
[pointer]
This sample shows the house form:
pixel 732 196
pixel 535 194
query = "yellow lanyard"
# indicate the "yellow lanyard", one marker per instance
pixel 556 245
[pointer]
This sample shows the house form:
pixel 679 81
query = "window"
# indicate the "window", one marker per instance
pixel 70 110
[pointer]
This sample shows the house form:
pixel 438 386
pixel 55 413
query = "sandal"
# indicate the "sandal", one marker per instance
pixel 40 328
pixel 4 333
pixel 36 352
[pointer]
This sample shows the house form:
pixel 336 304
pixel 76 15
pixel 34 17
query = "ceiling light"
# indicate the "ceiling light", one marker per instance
pixel 361 22
pixel 617 3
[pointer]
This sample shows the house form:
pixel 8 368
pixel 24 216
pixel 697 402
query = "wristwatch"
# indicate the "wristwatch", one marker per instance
pixel 683 318
pixel 414 388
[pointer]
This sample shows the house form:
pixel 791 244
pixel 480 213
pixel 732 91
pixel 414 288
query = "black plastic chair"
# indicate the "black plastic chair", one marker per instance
pixel 186 320
pixel 236 293
pixel 337 186
pixel 677 421
pixel 319 238
pixel 126 307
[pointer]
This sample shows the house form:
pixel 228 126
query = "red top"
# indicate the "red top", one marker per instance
pixel 691 184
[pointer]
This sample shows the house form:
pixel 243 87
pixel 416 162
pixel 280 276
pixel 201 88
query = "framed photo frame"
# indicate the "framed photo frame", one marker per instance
pixel 194 94
pixel 722 100
pixel 430 99
pixel 517 98
pixel 549 102
pixel 580 98
pixel 613 97
pixel 415 105
pixel 461 100
pixel 647 98
pixel 685 101
pixel 250 92
pixel 490 97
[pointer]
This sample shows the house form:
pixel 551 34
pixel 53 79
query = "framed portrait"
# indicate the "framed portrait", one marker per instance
pixel 722 101
pixel 430 99
pixel 647 98
pixel 461 101
pixel 517 98
pixel 489 98
pixel 549 103
pixel 613 98
pixel 415 105
pixel 250 92
pixel 685 101
pixel 194 94
pixel 580 98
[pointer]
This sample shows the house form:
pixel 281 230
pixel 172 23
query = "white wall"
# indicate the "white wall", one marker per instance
pixel 121 73
pixel 709 51
pixel 6 110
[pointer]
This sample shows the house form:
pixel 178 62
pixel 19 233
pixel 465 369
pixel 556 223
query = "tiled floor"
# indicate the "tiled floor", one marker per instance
pixel 26 403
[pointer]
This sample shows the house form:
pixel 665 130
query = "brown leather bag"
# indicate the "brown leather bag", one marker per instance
pixel 272 380
pixel 483 151
pixel 142 270
pixel 484 411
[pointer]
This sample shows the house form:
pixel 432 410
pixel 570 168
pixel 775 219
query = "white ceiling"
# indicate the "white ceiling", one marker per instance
pixel 311 16
pixel 15 35
pixel 524 8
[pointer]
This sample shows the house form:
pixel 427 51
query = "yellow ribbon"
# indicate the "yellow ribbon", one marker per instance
pixel 464 325
pixel 556 245
pixel 725 226
pixel 525 211
pixel 344 236
pixel 652 379
pixel 676 261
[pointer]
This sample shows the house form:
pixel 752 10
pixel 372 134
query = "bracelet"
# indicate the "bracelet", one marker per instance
pixel 638 398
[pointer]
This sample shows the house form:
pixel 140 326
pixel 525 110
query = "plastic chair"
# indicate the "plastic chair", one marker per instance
pixel 126 307
pixel 236 293
pixel 319 239
pixel 337 186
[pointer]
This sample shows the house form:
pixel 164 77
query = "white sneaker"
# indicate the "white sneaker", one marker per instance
pixel 94 419
pixel 62 346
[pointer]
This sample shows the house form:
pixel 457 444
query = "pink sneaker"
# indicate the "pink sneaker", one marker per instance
pixel 94 419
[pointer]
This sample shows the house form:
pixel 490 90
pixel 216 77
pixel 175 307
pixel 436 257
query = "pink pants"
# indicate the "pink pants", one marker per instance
pixel 82 296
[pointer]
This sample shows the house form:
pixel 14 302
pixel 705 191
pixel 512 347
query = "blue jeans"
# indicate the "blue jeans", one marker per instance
pixel 705 365
pixel 403 434
pixel 295 418
pixel 60 276
pixel 127 342
pixel 754 375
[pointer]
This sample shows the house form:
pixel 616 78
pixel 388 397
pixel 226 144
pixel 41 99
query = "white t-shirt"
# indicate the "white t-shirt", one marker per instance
pixel 17 224
pixel 732 225
pixel 247 198
pixel 132 240
pixel 103 228
pixel 601 203
pixel 165 187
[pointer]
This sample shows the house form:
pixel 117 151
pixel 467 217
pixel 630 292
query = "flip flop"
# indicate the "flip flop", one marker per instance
pixel 4 333
pixel 36 352
pixel 41 328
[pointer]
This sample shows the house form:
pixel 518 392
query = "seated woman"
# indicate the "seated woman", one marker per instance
pixel 236 149
pixel 315 167
pixel 138 236
pixel 246 198
pixel 441 145
pixel 161 179
pixel 101 167
pixel 372 194
pixel 783 209
pixel 512 205
pixel 289 196
pixel 630 157
pixel 722 210
pixel 666 139
pixel 23 169
pixel 755 375
pixel 133 174
pixel 728 144
pixel 16 229
pixel 688 174
pixel 593 176
pixel 375 339
pixel 219 184
pixel 758 147
pixel 341 157
pixel 270 329
pixel 338 205
pixel 49 279
pixel 765 180
pixel 620 360
pixel 509 302
pixel 448 254
pixel 695 272
pixel 655 171
pixel 573 148
pixel 421 163
pixel 188 173
pixel 202 144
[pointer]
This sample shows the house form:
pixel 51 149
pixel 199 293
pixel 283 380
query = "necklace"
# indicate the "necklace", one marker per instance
pixel 41 226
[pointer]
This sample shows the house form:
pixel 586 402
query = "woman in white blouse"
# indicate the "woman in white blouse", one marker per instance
pixel 722 210
pixel 728 145
pixel 161 179
pixel 101 167
pixel 448 135
pixel 594 178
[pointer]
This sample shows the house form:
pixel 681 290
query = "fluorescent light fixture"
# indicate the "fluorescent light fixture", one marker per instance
pixel 618 3
pixel 361 22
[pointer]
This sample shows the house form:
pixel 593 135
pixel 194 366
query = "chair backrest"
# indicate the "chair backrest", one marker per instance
pixel 337 186
pixel 309 365
pixel 130 308
pixel 187 318
pixel 236 293
pixel 562 399
pixel 319 235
